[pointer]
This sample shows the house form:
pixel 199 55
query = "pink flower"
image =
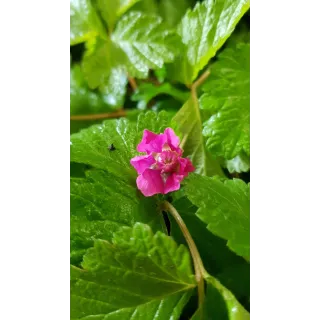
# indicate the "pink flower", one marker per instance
pixel 162 168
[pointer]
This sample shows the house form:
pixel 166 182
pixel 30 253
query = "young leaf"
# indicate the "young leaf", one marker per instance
pixel 140 275
pixel 203 31
pixel 90 146
pixel 146 42
pixel 96 213
pixel 189 122
pixel 221 304
pixel 224 207
pixel 227 95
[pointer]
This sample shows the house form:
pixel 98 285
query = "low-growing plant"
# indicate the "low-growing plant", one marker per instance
pixel 160 159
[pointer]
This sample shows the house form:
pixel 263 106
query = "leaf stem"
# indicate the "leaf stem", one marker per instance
pixel 133 83
pixel 200 80
pixel 116 114
pixel 199 269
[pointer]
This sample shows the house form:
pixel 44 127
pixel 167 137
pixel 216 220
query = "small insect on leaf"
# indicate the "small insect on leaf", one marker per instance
pixel 111 147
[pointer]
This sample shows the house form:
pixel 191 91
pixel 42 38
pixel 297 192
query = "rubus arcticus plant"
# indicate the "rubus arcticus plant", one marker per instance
pixel 160 159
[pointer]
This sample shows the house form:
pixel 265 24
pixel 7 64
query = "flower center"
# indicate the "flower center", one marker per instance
pixel 167 161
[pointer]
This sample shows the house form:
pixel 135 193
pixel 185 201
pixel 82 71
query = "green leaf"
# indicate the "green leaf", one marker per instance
pixel 147 91
pixel 225 207
pixel 227 95
pixel 189 123
pixel 84 21
pixel 146 6
pixel 139 275
pixel 146 42
pixel 241 33
pixel 90 146
pixel 101 56
pixel 139 43
pixel 96 213
pixel 221 304
pixel 215 254
pixel 240 163
pixel 172 11
pixel 203 31
pixel 112 10
pixel 237 279
pixel 114 90
pixel 82 99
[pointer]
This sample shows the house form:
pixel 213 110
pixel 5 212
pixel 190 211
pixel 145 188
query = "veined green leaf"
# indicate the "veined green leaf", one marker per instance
pixel 225 207
pixel 221 304
pixel 138 275
pixel 90 146
pixel 189 123
pixel 203 31
pixel 100 204
pixel 227 95
pixel 112 10
pixel 84 21
pixel 215 254
pixel 140 42
pixel 146 42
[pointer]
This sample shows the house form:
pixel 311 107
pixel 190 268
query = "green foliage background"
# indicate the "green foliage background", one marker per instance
pixel 152 64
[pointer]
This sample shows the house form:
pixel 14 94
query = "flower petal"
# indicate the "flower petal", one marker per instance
pixel 151 142
pixel 172 140
pixel 186 166
pixel 141 163
pixel 150 182
pixel 172 183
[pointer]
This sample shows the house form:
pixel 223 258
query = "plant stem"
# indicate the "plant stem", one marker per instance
pixel 133 83
pixel 117 114
pixel 200 80
pixel 199 269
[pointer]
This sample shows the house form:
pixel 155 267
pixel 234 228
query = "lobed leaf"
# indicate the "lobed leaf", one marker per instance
pixel 84 21
pixel 139 275
pixel 91 146
pixel 203 31
pixel 96 213
pixel 112 10
pixel 225 207
pixel 145 41
pixel 227 95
